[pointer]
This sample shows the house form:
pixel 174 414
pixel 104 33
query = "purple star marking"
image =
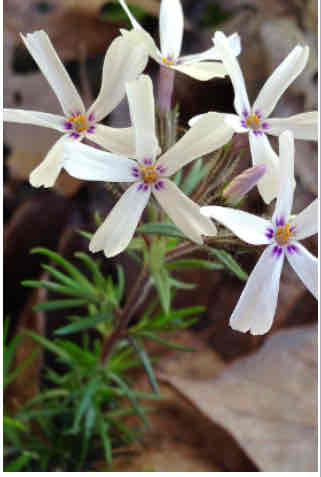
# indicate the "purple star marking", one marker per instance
pixel 159 185
pixel 280 222
pixel 142 187
pixel 277 251
pixel 269 233
pixel 292 249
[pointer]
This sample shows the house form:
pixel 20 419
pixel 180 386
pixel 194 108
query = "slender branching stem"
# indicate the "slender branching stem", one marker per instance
pixel 124 316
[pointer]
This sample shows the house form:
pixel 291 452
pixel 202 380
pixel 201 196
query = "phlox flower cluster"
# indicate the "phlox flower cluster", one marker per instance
pixel 132 155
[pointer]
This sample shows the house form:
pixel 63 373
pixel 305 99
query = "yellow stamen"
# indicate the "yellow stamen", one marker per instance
pixel 79 122
pixel 149 174
pixel 253 121
pixel 283 234
pixel 167 62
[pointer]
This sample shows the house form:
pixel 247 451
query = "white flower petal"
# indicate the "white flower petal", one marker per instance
pixel 87 163
pixel 247 227
pixel 256 307
pixel 35 118
pixel 208 133
pixel 142 113
pixel 284 199
pixel 114 235
pixel 143 38
pixel 234 121
pixel 171 28
pixel 306 222
pixel 184 212
pixel 235 43
pixel 202 71
pixel 227 55
pixel 280 80
pixel 196 118
pixel 262 153
pixel 117 140
pixel 303 126
pixel 44 54
pixel 124 61
pixel 212 54
pixel 306 266
pixel 49 169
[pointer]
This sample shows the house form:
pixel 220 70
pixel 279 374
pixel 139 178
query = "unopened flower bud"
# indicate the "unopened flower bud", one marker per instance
pixel 243 183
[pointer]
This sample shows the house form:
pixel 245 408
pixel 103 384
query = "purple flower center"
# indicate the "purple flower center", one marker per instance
pixel 78 124
pixel 149 174
pixel 254 122
pixel 281 234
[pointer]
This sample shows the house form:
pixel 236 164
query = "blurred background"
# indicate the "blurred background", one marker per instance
pixel 200 427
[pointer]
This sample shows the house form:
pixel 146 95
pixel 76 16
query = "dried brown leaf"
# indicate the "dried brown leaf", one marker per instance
pixel 27 384
pixel 267 401
pixel 181 438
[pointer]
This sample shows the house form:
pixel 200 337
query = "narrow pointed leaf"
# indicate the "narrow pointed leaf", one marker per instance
pixel 181 285
pixel 60 304
pixel 64 279
pixel 169 344
pixel 130 395
pixel 93 267
pixel 147 364
pixel 48 345
pixel 229 262
pixel 196 174
pixel 193 263
pixel 64 290
pixel 120 282
pixel 84 324
pixel 103 431
pixel 162 284
pixel 74 272
pixel 161 229
pixel 85 404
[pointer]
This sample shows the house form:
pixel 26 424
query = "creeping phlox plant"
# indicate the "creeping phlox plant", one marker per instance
pixel 163 215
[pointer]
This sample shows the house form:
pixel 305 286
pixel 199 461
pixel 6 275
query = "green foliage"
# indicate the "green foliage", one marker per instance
pixel 98 294
pixel 9 349
pixel 153 327
pixel 197 172
pixel 87 391
pixel 214 15
pixel 80 413
pixel 159 228
pixel 229 262
pixel 112 11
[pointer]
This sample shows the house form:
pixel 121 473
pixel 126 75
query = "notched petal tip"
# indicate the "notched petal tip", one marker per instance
pixel 37 181
pixel 253 329
pixel 236 326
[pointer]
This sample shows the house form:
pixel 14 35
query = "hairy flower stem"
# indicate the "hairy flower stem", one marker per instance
pixel 167 117
pixel 124 316
pixel 219 241
pixel 165 89
pixel 181 251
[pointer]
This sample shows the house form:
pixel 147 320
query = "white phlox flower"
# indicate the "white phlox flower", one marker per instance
pixel 255 120
pixel 201 66
pixel 123 62
pixel 147 175
pixel 256 307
